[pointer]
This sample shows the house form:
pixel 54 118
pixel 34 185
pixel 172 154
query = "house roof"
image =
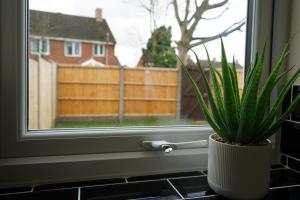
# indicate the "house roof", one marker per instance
pixel 69 26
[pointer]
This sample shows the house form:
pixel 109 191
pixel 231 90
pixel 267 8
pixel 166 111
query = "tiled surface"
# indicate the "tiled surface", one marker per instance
pixel 284 184
pixel 79 184
pixel 284 177
pixel 15 190
pixel 66 194
pixel 163 176
pixel 296 113
pixel 290 136
pixel 141 190
pixel 192 187
pixel 294 164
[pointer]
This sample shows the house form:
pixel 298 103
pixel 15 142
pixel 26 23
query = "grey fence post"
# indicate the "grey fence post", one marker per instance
pixel 121 104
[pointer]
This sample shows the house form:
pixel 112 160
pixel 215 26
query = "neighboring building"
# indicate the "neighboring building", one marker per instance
pixel 69 39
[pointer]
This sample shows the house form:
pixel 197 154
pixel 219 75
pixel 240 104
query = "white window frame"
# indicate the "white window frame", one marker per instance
pixel 43 156
pixel 98 47
pixel 73 43
pixel 40 39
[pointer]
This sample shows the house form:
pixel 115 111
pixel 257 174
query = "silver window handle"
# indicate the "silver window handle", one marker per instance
pixel 170 146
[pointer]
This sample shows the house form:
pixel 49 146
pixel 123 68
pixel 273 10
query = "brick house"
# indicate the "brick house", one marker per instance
pixel 69 39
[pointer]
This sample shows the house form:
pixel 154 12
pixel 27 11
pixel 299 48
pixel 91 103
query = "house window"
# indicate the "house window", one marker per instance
pixel 99 50
pixel 39 46
pixel 73 49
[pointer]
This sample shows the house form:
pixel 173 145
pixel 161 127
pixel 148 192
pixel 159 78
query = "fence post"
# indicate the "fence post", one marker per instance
pixel 121 98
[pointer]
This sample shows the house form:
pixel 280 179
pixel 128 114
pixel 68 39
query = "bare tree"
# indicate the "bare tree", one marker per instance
pixel 193 13
pixel 188 24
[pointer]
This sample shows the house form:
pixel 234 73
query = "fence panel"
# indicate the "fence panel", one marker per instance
pixel 95 92
pixel 88 91
pixel 42 94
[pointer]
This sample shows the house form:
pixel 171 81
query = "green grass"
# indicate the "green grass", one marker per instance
pixel 126 122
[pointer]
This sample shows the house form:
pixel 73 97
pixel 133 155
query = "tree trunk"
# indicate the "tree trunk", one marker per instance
pixel 182 55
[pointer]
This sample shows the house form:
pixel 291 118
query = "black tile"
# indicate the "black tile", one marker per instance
pixel 78 184
pixel 213 197
pixel 204 172
pixel 290 193
pixel 277 166
pixel 296 113
pixel 283 159
pixel 192 187
pixel 139 190
pixel 284 177
pixel 15 190
pixel 290 138
pixel 294 164
pixel 66 194
pixel 287 101
pixel 163 176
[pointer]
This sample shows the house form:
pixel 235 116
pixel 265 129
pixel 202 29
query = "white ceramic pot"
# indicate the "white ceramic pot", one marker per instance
pixel 239 172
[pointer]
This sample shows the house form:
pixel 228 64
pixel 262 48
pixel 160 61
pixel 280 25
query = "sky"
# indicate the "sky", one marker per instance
pixel 130 24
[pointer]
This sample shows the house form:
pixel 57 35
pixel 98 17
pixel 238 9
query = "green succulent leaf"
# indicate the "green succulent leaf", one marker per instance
pixel 247 118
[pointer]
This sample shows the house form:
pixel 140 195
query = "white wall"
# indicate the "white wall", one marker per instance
pixel 294 58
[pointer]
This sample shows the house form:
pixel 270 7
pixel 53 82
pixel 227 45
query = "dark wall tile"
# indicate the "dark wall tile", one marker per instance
pixel 163 176
pixel 290 137
pixel 67 194
pixel 79 184
pixel 138 190
pixel 294 164
pixel 283 159
pixel 296 114
pixel 15 190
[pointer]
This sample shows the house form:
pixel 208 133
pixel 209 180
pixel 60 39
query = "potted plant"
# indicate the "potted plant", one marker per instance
pixel 239 154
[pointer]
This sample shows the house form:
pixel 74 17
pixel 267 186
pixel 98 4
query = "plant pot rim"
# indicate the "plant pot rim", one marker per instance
pixel 266 143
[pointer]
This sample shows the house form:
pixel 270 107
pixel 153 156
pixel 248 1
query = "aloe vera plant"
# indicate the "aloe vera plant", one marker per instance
pixel 246 118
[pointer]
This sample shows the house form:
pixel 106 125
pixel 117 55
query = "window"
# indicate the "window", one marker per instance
pixel 39 46
pixel 73 49
pixel 83 152
pixel 99 49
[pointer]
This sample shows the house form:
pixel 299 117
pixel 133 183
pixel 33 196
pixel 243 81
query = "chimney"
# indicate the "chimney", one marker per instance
pixel 98 14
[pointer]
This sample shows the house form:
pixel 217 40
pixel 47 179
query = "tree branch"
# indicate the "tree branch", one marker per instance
pixel 234 27
pixel 198 15
pixel 216 17
pixel 143 5
pixel 176 11
pixel 217 5
pixel 187 6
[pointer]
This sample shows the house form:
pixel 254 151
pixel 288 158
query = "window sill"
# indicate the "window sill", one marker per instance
pixel 49 169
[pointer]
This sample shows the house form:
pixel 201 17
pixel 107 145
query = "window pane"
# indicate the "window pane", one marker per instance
pixel 136 80
pixel 44 46
pixel 95 49
pixel 34 45
pixel 69 46
pixel 100 49
pixel 77 48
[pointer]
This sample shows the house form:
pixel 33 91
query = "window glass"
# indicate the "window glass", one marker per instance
pixel 98 49
pixel 44 45
pixel 136 81
pixel 35 45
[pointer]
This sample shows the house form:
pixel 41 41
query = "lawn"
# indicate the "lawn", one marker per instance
pixel 126 122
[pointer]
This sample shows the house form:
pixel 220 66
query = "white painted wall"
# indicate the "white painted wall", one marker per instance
pixel 294 58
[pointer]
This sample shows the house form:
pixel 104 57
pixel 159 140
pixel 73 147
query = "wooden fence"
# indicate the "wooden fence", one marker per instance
pixel 42 93
pixel 116 92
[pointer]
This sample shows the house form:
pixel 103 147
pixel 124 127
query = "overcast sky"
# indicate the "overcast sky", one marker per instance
pixel 130 24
